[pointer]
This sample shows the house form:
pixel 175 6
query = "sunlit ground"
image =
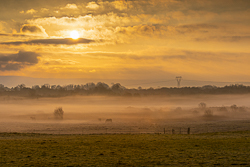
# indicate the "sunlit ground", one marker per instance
pixel 222 149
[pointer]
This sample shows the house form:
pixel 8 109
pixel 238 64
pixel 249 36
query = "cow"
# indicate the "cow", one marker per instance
pixel 108 121
pixel 33 118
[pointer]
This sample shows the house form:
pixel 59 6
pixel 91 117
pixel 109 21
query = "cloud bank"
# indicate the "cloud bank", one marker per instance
pixel 63 41
pixel 14 62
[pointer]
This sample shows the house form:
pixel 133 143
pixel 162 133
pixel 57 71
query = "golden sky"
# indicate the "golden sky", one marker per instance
pixel 139 40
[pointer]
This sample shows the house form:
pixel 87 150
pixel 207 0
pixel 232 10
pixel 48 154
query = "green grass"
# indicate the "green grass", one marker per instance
pixel 212 149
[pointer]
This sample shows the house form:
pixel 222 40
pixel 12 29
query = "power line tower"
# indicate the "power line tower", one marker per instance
pixel 178 79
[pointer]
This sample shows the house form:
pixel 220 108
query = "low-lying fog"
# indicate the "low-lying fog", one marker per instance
pixel 94 110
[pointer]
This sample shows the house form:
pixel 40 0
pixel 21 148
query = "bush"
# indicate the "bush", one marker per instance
pixel 208 113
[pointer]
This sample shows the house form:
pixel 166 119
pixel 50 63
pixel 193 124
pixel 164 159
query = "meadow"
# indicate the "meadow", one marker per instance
pixel 207 149
pixel 31 135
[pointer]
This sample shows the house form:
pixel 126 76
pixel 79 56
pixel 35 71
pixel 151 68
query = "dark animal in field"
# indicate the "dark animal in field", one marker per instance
pixel 33 118
pixel 108 121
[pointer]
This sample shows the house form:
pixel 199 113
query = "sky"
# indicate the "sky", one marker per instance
pixel 131 42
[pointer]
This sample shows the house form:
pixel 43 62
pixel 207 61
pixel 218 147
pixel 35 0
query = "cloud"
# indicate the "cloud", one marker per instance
pixel 92 6
pixel 31 11
pixel 144 30
pixel 12 35
pixel 33 29
pixel 224 38
pixel 195 27
pixel 120 5
pixel 43 10
pixel 59 62
pixel 30 28
pixel 63 41
pixel 136 57
pixel 70 6
pixel 161 30
pixel 14 62
pixel 97 26
pixel 2 26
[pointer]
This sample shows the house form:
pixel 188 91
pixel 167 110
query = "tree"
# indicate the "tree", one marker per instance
pixel 234 108
pixel 223 109
pixel 195 112
pixel 36 87
pixel 208 113
pixel 58 113
pixel 242 109
pixel 178 109
pixel 202 105
pixel 117 86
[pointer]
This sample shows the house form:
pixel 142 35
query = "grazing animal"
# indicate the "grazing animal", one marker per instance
pixel 108 121
pixel 33 118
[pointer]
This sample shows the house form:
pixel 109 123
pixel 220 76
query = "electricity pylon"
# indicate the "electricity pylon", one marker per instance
pixel 178 79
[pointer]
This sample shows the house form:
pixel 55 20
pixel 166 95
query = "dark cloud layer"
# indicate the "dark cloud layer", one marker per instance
pixel 63 41
pixel 31 29
pixel 137 57
pixel 13 35
pixel 14 62
pixel 195 27
pixel 224 38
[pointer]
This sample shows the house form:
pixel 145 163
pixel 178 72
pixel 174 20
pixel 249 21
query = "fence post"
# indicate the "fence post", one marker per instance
pixel 188 131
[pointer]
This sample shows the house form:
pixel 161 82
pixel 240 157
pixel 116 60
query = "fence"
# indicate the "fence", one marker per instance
pixel 118 128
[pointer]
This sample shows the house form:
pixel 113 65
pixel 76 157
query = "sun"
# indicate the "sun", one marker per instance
pixel 74 34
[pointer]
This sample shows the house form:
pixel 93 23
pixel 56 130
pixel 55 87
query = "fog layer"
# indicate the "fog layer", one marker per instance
pixel 22 114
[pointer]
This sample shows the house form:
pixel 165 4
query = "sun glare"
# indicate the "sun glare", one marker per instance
pixel 74 34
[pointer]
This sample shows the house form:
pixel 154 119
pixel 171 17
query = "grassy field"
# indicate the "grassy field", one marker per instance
pixel 211 149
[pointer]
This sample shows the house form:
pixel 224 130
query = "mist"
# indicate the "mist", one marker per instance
pixel 88 114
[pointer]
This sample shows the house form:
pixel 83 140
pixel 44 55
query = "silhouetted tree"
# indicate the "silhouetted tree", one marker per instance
pixel 117 86
pixel 242 109
pixel 234 108
pixel 223 109
pixel 178 109
pixel 208 113
pixel 202 105
pixel 58 113
pixel 195 112
pixel 101 87
pixel 35 87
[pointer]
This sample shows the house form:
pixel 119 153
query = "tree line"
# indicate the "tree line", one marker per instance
pixel 117 89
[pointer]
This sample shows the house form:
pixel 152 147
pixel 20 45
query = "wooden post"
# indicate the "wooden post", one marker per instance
pixel 173 131
pixel 188 131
